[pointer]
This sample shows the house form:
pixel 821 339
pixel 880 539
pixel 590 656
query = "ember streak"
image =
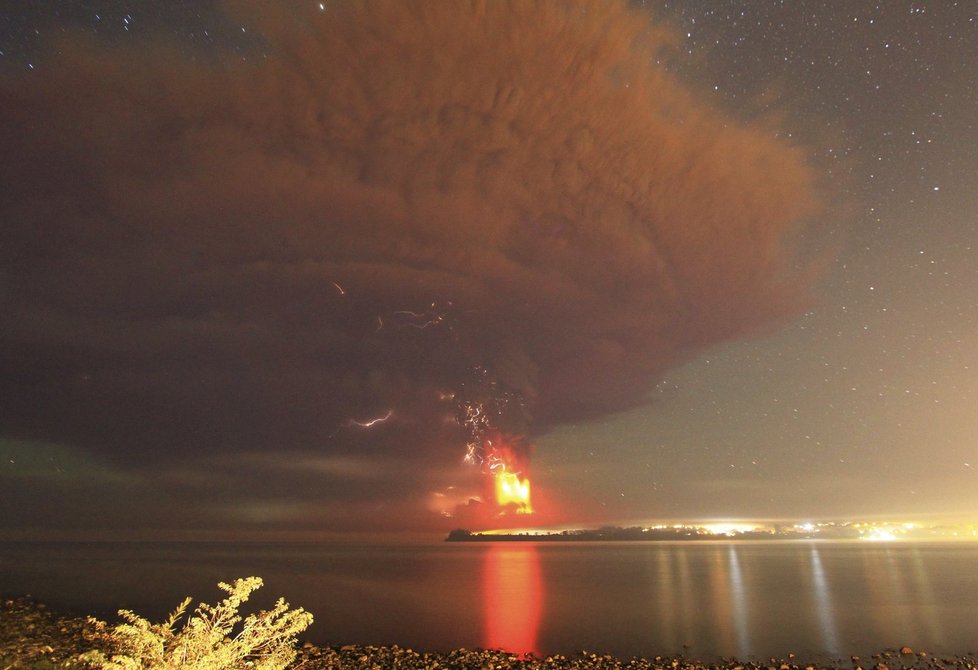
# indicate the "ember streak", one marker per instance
pixel 501 456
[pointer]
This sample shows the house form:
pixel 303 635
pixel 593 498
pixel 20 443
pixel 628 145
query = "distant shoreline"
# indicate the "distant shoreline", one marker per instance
pixel 632 535
pixel 726 532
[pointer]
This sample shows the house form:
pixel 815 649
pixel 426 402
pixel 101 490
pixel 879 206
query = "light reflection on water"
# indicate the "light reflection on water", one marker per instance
pixel 729 598
pixel 823 605
pixel 747 599
pixel 738 599
pixel 926 610
pixel 512 595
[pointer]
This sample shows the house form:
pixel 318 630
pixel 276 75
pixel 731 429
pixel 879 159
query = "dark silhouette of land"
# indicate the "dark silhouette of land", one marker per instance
pixel 770 530
pixel 639 534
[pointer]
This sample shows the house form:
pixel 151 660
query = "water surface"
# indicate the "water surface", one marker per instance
pixel 748 599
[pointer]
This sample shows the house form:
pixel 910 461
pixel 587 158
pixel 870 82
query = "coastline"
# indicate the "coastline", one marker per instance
pixel 33 636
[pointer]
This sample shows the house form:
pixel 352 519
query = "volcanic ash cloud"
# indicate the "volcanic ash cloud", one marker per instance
pixel 218 253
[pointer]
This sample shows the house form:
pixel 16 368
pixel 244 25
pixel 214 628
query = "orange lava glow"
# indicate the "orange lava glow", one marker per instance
pixel 513 490
pixel 505 464
pixel 513 596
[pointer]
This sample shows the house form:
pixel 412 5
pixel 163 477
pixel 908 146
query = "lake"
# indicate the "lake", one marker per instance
pixel 816 599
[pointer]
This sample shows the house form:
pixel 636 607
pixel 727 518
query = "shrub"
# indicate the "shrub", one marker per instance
pixel 207 641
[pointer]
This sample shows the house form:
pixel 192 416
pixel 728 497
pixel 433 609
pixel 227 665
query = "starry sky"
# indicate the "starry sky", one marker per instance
pixel 692 259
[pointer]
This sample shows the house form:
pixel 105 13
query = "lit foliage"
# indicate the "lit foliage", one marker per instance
pixel 266 640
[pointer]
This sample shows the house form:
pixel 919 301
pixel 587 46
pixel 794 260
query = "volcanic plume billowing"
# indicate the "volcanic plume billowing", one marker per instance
pixel 389 200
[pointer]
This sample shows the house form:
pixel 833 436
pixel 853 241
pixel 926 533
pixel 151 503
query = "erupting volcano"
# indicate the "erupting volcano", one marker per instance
pixel 510 482
pixel 511 489
pixel 511 214
pixel 484 407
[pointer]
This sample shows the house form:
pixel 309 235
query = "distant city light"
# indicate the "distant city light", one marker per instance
pixel 729 528
pixel 880 535
pixel 743 530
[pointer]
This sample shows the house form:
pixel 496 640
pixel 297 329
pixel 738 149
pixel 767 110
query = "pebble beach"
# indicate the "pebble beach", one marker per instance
pixel 36 638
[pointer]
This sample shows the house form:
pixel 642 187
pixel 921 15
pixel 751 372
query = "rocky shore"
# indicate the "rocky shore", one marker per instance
pixel 32 636
pixel 35 638
pixel 378 658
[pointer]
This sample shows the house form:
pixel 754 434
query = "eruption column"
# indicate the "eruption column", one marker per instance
pixel 511 485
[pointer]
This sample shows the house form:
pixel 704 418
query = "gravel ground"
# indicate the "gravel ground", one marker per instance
pixel 32 637
pixel 381 658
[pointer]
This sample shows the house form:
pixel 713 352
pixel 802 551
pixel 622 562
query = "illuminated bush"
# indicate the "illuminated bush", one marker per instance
pixel 208 640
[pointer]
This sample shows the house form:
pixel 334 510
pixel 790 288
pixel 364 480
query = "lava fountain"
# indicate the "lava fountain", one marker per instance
pixel 510 483
pixel 512 490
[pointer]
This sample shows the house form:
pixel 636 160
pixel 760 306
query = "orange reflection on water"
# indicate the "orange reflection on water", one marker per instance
pixel 512 593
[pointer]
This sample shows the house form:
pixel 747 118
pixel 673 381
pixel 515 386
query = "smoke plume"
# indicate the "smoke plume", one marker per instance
pixel 208 253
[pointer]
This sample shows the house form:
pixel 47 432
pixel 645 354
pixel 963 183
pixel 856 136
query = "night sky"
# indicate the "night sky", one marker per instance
pixel 276 270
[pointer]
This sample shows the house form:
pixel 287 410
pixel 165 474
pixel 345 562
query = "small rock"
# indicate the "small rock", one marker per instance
pixel 906 651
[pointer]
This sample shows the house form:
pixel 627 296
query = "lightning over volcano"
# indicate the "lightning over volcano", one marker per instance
pixel 300 252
